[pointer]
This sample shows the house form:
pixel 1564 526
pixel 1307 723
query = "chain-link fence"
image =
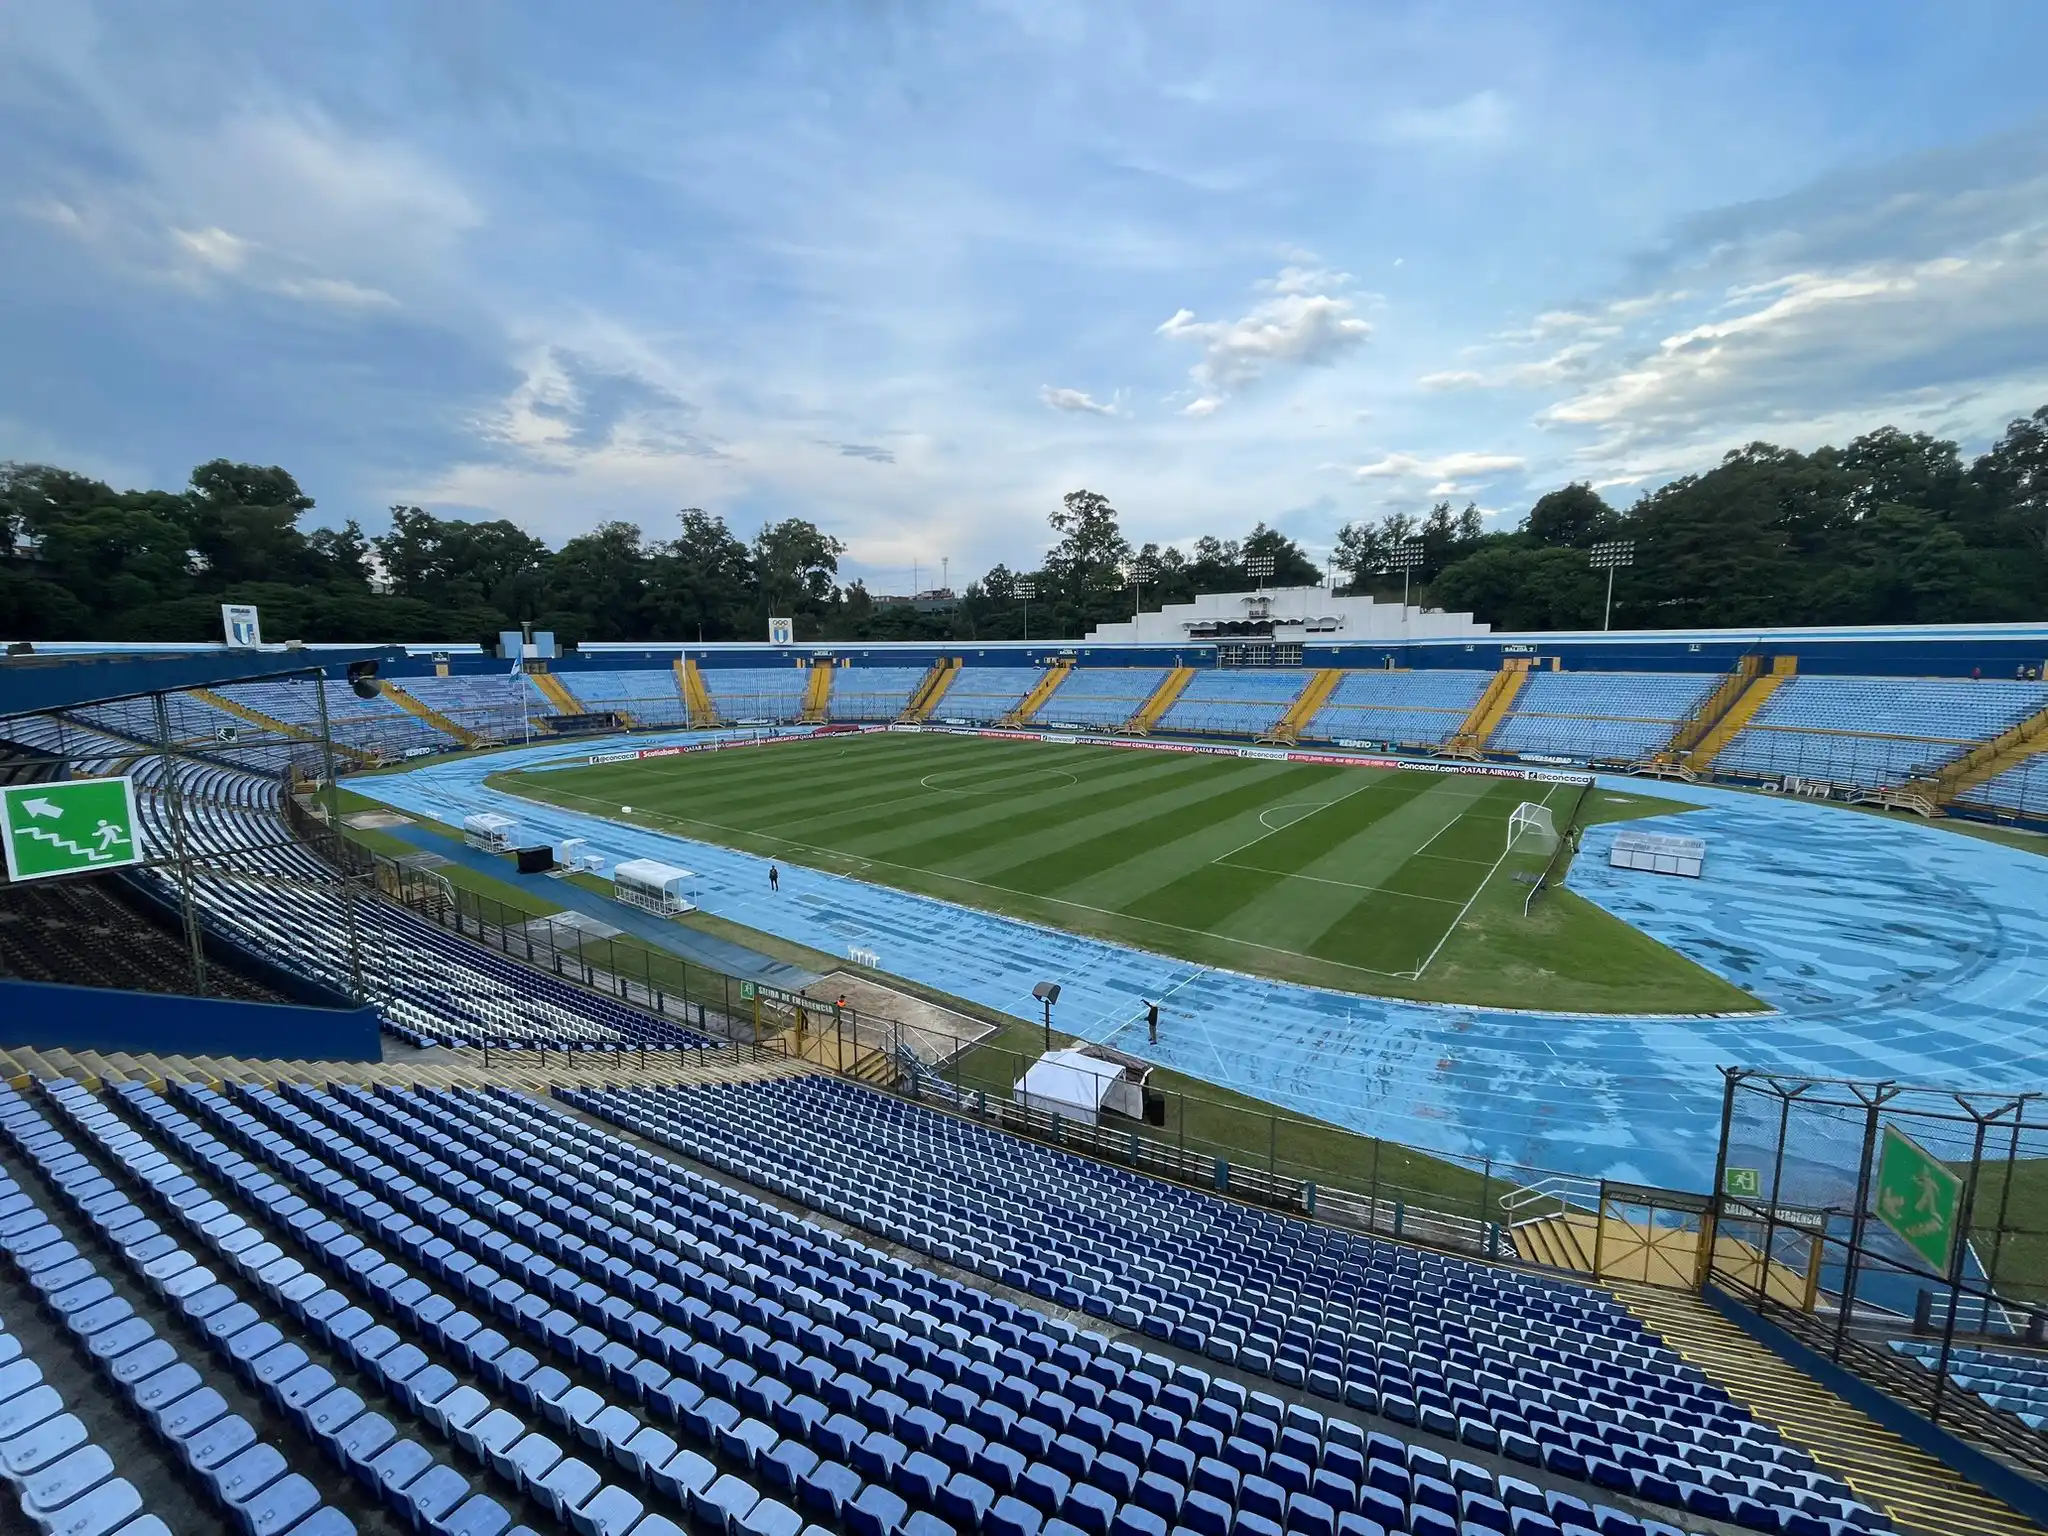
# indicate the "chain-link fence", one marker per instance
pixel 1902 1231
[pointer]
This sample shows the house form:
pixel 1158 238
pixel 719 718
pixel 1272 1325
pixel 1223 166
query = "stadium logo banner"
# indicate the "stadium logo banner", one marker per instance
pixel 241 625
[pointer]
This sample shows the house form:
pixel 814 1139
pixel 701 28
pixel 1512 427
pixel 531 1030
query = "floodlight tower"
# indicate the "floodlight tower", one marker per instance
pixel 1259 568
pixel 1137 572
pixel 1405 557
pixel 1614 555
pixel 1026 590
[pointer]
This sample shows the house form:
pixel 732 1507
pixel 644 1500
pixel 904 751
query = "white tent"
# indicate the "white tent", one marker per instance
pixel 489 831
pixel 654 887
pixel 1076 1085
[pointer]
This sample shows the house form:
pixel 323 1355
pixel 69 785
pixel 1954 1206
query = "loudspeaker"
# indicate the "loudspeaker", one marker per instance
pixel 362 677
pixel 536 861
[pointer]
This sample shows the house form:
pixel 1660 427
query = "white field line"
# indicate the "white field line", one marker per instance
pixel 1430 958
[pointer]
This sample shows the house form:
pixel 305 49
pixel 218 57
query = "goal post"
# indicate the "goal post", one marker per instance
pixel 1531 829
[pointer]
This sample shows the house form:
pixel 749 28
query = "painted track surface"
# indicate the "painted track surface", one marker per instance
pixel 1892 950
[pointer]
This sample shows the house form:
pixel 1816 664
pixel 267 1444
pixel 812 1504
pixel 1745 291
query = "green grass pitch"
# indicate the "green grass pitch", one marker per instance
pixel 1388 882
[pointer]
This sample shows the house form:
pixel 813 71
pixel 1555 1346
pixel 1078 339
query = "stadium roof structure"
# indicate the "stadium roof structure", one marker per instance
pixel 32 684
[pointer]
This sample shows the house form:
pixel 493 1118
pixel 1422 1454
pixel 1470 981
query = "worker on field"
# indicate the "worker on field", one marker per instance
pixel 1152 1020
pixel 774 879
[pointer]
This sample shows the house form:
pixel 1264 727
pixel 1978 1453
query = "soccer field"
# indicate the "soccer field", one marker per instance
pixel 1367 880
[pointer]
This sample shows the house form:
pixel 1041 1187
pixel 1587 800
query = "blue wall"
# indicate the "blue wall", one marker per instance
pixel 101 1019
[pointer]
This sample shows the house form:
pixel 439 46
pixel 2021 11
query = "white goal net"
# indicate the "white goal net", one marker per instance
pixel 1530 829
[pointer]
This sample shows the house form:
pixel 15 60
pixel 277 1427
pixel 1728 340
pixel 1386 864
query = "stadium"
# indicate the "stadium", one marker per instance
pixel 1539 1084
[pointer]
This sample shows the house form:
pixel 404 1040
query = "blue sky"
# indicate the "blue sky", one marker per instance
pixel 915 270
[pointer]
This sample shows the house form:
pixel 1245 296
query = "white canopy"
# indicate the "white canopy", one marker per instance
pixel 1068 1082
pixel 489 830
pixel 654 886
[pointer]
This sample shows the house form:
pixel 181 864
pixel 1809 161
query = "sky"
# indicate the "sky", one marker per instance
pixel 913 271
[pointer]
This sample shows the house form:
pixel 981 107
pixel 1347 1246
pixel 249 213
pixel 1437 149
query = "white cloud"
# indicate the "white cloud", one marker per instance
pixel 1077 400
pixel 1447 472
pixel 1483 118
pixel 1807 342
pixel 56 212
pixel 214 247
pixel 1295 328
pixel 334 290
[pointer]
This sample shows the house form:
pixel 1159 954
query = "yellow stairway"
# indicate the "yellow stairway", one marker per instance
pixel 696 697
pixel 1692 730
pixel 557 693
pixel 1985 762
pixel 1045 688
pixel 930 691
pixel 271 723
pixel 431 715
pixel 818 693
pixel 1315 693
pixel 1919 1493
pixel 1742 711
pixel 1148 714
pixel 1492 707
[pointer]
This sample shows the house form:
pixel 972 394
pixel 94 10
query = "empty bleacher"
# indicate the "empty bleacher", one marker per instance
pixel 2021 789
pixel 1599 715
pixel 82 933
pixel 873 693
pixel 1557 1378
pixel 757 693
pixel 496 706
pixel 648 695
pixel 1227 701
pixel 2011 1381
pixel 1100 697
pixel 375 724
pixel 1875 730
pixel 983 695
pixel 1420 708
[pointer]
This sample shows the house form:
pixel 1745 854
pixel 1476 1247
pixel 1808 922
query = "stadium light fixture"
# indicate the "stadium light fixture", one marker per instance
pixel 1137 572
pixel 1026 590
pixel 1259 568
pixel 1048 993
pixel 1611 556
pixel 1405 557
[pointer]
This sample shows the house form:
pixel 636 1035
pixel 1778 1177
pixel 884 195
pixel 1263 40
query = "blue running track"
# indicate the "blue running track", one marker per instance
pixel 1890 950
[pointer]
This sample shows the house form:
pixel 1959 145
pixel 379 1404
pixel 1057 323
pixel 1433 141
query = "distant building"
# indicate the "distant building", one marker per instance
pixel 937 600
pixel 1289 614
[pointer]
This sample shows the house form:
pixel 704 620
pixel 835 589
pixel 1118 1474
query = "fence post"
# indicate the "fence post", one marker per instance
pixel 1957 1270
pixel 1852 1263
pixel 1273 1159
pixel 1373 1219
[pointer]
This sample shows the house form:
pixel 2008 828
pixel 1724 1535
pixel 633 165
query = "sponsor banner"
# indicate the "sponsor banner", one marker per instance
pixel 605 757
pixel 912 728
pixel 1543 757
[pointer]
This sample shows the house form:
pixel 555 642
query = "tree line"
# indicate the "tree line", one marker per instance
pixel 1895 527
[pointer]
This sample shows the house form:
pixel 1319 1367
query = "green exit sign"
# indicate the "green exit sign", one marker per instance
pixel 69 827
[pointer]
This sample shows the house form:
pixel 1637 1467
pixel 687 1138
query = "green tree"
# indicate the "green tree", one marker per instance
pixel 1574 515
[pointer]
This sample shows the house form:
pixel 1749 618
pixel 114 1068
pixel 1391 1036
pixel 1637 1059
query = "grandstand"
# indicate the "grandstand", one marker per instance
pixel 1598 716
pixel 646 697
pixel 1100 698
pixel 873 694
pixel 1422 709
pixel 983 695
pixel 1875 731
pixel 1229 702
pixel 749 694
